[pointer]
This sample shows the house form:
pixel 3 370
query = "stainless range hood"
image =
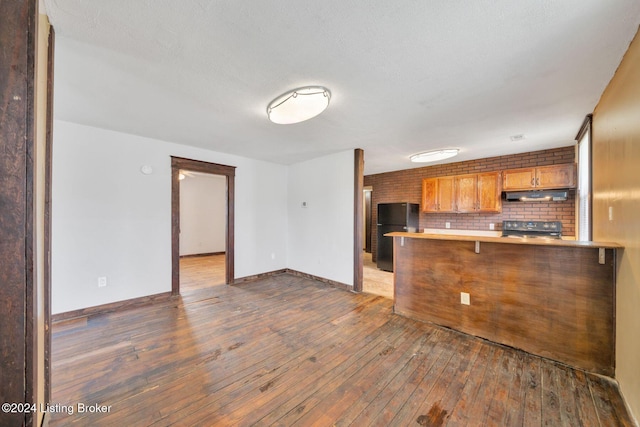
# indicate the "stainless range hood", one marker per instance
pixel 536 196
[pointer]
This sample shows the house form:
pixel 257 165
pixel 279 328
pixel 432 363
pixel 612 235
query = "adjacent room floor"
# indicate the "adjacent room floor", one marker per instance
pixel 285 350
pixel 376 281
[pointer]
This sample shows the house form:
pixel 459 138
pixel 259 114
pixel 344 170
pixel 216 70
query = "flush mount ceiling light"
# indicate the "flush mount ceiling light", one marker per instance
pixel 299 105
pixel 434 155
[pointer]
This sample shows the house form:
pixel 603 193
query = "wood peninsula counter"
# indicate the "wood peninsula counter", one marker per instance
pixel 552 298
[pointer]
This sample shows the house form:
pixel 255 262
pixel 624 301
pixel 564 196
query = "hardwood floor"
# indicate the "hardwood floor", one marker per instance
pixel 197 272
pixel 376 281
pixel 286 350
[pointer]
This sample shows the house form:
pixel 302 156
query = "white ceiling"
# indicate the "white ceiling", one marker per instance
pixel 405 76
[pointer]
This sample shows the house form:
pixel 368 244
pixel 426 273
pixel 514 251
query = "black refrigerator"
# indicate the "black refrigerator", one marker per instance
pixel 393 217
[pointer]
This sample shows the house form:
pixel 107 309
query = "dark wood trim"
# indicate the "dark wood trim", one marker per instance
pixel 203 167
pixel 201 255
pixel 175 230
pixel 332 283
pixel 47 217
pixel 254 277
pixel 31 320
pixel 367 219
pixel 358 178
pixel 111 307
pixel 587 126
pixel 178 163
pixel 18 355
pixel 230 235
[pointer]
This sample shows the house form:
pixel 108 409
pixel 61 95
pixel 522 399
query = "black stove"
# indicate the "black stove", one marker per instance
pixel 547 229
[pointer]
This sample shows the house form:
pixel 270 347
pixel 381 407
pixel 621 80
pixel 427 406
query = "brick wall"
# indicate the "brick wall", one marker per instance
pixel 406 186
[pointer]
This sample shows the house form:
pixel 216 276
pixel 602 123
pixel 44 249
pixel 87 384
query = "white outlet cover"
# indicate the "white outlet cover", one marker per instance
pixel 465 298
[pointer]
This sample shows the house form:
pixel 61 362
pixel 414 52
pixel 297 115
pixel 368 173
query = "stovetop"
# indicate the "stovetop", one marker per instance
pixel 516 228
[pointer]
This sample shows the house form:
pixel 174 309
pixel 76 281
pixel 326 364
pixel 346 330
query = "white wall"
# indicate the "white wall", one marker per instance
pixel 111 220
pixel 203 211
pixel 320 236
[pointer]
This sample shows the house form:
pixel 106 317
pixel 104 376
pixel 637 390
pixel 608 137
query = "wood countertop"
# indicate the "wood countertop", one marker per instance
pixel 508 240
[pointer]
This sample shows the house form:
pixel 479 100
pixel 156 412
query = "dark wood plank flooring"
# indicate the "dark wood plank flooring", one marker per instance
pixel 290 351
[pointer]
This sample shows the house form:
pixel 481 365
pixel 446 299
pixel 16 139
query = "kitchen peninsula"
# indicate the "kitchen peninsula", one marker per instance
pixel 552 298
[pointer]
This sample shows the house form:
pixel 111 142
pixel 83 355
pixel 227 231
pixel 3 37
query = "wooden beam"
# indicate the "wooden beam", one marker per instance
pixel 17 130
pixel 358 171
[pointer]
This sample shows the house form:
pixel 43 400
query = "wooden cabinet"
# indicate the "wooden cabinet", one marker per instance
pixel 540 178
pixel 462 193
pixel 519 179
pixel 556 176
pixel 438 194
pixel 489 192
pixel 466 193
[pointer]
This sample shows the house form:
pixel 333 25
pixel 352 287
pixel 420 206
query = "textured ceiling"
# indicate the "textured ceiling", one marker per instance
pixel 405 76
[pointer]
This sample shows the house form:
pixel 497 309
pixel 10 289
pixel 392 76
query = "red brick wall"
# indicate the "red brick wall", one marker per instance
pixel 406 186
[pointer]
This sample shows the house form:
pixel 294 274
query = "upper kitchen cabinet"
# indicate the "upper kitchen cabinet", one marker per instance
pixel 438 194
pixel 478 193
pixel 462 193
pixel 489 191
pixel 540 178
pixel 466 193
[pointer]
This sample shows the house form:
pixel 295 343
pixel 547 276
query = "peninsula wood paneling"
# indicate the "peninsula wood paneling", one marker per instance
pixel 553 301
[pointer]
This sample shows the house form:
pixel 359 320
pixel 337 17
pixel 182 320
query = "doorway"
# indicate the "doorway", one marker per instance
pixel 178 164
pixel 203 205
pixel 375 281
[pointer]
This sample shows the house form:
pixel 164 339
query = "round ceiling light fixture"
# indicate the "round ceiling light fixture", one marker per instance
pixel 434 155
pixel 299 105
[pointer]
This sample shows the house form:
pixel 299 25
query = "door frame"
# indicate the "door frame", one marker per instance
pixel 358 194
pixel 178 163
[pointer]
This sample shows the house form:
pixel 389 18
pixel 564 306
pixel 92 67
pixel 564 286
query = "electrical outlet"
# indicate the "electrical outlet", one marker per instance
pixel 102 282
pixel 447 224
pixel 492 226
pixel 465 298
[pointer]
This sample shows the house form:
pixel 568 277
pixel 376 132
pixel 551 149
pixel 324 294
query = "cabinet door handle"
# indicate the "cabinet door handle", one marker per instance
pixel 537 181
pixel 533 182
